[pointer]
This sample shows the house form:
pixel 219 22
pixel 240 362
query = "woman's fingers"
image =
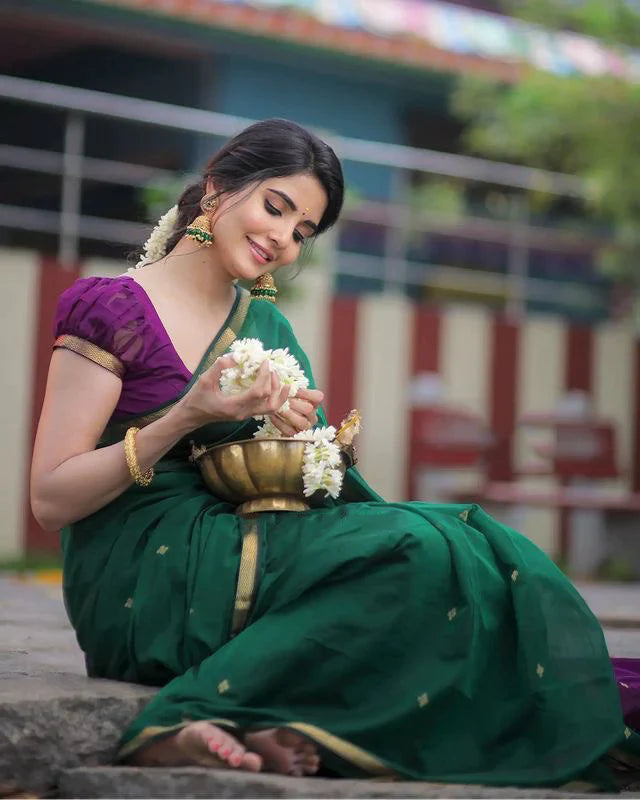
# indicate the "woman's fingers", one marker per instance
pixel 263 386
pixel 294 420
pixel 313 396
pixel 212 375
pixel 282 425
pixel 305 410
pixel 302 407
pixel 266 396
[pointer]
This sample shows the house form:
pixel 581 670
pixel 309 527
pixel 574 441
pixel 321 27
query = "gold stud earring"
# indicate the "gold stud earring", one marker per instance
pixel 209 203
pixel 200 229
pixel 264 288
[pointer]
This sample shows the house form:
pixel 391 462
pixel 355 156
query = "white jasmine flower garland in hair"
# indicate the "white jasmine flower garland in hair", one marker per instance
pixel 321 454
pixel 156 245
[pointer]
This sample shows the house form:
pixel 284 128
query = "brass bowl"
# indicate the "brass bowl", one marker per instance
pixel 259 474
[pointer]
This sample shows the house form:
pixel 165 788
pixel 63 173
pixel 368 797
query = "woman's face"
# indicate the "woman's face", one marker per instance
pixel 263 227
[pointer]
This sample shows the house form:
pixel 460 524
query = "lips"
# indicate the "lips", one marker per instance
pixel 264 256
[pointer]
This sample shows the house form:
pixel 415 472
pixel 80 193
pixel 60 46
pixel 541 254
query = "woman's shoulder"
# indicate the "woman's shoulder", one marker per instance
pixel 98 298
pixel 109 312
pixel 93 290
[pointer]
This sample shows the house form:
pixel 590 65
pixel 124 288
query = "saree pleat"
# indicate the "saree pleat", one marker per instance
pixel 408 640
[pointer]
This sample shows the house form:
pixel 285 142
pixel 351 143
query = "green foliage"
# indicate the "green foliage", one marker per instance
pixel 616 569
pixel 439 196
pixel 159 196
pixel 588 126
pixel 613 21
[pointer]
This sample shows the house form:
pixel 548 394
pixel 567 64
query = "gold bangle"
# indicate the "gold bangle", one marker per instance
pixel 141 478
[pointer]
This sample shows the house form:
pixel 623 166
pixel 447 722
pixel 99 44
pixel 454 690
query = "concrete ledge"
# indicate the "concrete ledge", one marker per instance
pixel 59 729
pixel 59 722
pixel 133 782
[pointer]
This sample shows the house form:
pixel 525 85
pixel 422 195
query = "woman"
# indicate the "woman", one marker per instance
pixel 404 640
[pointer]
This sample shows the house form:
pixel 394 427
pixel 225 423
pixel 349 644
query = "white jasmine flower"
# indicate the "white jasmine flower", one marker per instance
pixel 321 454
pixel 267 431
pixel 156 245
pixel 329 480
pixel 332 482
pixel 249 352
pixel 317 434
pixel 230 382
pixel 288 370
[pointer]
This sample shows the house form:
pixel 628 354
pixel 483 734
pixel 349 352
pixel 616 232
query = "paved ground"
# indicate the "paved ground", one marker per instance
pixel 42 677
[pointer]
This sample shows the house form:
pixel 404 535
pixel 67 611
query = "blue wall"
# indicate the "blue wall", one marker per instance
pixel 345 104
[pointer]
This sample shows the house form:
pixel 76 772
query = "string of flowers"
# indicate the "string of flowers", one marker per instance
pixel 156 245
pixel 320 468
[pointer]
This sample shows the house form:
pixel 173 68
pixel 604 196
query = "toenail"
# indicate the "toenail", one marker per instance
pixel 224 753
pixel 235 760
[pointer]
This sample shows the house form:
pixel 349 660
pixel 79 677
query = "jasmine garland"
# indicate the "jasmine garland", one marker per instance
pixel 320 470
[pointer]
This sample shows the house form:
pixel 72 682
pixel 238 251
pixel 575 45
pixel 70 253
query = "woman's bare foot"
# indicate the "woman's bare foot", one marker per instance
pixel 199 744
pixel 284 751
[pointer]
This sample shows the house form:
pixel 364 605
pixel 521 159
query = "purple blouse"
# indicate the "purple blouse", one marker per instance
pixel 117 316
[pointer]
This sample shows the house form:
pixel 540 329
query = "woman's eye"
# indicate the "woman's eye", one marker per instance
pixel 272 209
pixel 298 238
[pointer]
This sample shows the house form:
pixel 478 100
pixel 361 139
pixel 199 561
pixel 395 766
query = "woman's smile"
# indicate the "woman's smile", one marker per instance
pixel 261 254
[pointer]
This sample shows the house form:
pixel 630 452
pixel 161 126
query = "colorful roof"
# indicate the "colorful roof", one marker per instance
pixel 424 33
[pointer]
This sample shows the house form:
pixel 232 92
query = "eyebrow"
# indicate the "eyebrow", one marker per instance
pixel 294 207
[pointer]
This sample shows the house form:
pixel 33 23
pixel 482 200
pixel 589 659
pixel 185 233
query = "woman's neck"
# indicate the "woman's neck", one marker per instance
pixel 192 271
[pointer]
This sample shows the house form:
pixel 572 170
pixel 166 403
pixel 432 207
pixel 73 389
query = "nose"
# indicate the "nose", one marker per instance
pixel 282 234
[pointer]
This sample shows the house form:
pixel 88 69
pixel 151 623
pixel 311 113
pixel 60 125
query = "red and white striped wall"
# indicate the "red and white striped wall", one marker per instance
pixel 364 351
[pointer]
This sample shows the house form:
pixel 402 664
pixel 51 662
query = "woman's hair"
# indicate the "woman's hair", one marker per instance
pixel 273 148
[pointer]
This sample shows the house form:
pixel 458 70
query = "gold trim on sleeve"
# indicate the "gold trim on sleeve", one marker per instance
pixel 92 352
pixel 247 578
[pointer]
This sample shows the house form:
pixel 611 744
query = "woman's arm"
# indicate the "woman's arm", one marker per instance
pixel 70 479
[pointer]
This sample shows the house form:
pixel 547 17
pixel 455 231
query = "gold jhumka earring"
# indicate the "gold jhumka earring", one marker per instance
pixel 264 288
pixel 200 229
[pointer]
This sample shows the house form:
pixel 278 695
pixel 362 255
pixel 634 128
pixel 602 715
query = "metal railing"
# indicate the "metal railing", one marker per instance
pixel 392 266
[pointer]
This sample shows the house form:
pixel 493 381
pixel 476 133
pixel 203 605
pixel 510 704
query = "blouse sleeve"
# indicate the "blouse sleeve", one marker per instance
pixel 100 319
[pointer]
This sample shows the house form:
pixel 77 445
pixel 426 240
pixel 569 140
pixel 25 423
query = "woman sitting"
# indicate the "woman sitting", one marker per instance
pixel 406 640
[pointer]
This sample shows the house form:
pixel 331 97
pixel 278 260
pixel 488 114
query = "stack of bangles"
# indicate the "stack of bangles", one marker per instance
pixel 141 478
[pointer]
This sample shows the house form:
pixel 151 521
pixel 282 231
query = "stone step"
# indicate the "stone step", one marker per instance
pixel 58 738
pixel 59 728
pixel 49 724
pixel 134 782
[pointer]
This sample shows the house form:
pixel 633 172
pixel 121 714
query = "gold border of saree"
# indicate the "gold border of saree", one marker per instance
pixel 247 584
pixel 348 752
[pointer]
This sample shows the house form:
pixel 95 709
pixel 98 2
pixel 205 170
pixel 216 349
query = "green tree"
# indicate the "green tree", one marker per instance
pixel 588 126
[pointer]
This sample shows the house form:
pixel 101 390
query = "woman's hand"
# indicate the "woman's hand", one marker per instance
pixel 206 402
pixel 302 413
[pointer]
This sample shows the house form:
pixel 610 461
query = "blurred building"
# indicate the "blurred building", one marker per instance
pixel 379 71
pixel 108 104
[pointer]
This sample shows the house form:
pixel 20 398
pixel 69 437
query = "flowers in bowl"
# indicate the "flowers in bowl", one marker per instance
pixel 320 470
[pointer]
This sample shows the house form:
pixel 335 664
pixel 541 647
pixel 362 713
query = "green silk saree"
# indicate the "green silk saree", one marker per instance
pixel 408 640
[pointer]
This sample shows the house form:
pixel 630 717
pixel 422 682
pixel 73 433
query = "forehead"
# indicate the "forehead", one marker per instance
pixel 305 190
